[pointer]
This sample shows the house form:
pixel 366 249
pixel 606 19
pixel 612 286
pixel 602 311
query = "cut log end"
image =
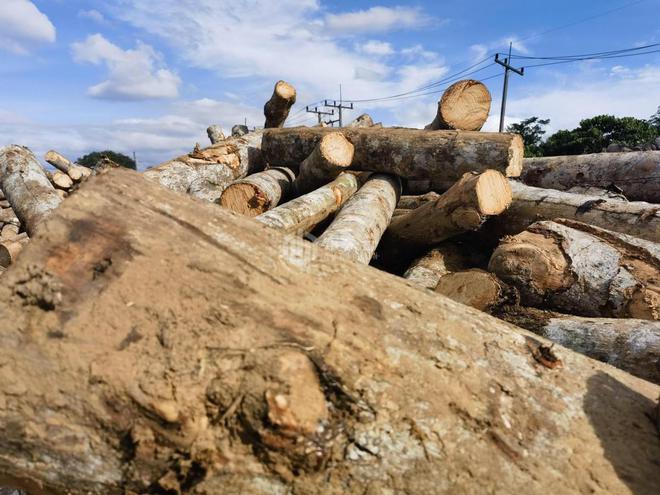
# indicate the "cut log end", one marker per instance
pixel 475 288
pixel 464 106
pixel 336 149
pixel 245 199
pixel 493 192
pixel 277 108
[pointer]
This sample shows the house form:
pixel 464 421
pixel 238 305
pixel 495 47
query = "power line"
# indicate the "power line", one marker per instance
pixel 590 58
pixel 584 55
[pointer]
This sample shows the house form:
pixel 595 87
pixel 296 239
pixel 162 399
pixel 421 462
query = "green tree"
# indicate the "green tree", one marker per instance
pixel 654 120
pixel 91 159
pixel 532 131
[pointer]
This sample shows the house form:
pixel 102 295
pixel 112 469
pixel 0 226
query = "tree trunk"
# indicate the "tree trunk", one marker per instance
pixel 277 108
pixel 631 345
pixel 9 230
pixel 10 249
pixel 60 180
pixel 75 172
pixel 438 262
pixel 411 202
pixel 26 187
pixel 598 191
pixel 243 369
pixel 363 120
pixel 215 134
pixel 332 156
pixel 7 215
pixel 636 173
pixel 258 193
pixel 465 105
pixel 464 207
pixel 476 288
pixel 359 225
pixel 206 173
pixel 300 215
pixel 581 269
pixel 440 156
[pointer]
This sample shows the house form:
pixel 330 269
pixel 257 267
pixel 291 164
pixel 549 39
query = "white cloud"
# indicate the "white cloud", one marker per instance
pixel 23 25
pixel 375 47
pixel 93 15
pixel 481 50
pixel 375 19
pixel 132 74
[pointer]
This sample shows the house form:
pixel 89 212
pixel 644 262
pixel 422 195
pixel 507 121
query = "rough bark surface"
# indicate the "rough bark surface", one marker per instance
pixel 410 202
pixel 439 261
pixel 258 193
pixel 232 371
pixel 629 344
pixel 277 108
pixel 581 269
pixel 205 173
pixel 332 156
pixel 215 134
pixel 300 215
pixel 356 230
pixel 442 157
pixel 26 187
pixel 636 173
pixel 465 105
pixel 476 288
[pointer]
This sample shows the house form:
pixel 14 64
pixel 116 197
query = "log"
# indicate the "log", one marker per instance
pixel 583 270
pixel 410 202
pixel 75 172
pixel 26 187
pixel 363 120
pixel 215 134
pixel 598 191
pixel 7 215
pixel 356 230
pixel 11 248
pixel 629 344
pixel 476 288
pixel 464 105
pixel 332 156
pixel 464 207
pixel 258 193
pixel 442 157
pixel 277 108
pixel 233 371
pixel 205 173
pixel 427 270
pixel 9 230
pixel 300 215
pixel 61 180
pixel 239 130
pixel 636 173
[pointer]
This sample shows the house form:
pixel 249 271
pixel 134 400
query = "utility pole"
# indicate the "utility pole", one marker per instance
pixel 340 106
pixel 507 68
pixel 134 159
pixel 319 112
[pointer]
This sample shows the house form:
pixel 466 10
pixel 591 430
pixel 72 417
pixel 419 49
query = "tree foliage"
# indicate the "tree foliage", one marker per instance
pixel 91 159
pixel 532 131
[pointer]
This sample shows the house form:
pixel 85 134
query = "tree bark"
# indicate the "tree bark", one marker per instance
pixel 277 108
pixel 300 215
pixel 629 344
pixel 410 202
pixel 234 371
pixel 581 269
pixel 206 173
pixel 26 187
pixel 359 225
pixel 442 157
pixel 438 262
pixel 465 105
pixel 598 191
pixel 332 156
pixel 476 288
pixel 7 215
pixel 215 134
pixel 636 173
pixel 464 207
pixel 258 193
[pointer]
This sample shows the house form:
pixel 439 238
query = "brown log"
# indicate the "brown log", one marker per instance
pixel 635 173
pixel 205 173
pixel 277 108
pixel 629 344
pixel 427 270
pixel 11 248
pixel 464 207
pixel 300 215
pixel 411 202
pixel 332 156
pixel 258 193
pixel 442 157
pixel 9 230
pixel 58 161
pixel 476 288
pixel 215 134
pixel 360 223
pixel 7 215
pixel 26 187
pixel 363 120
pixel 582 269
pixel 61 180
pixel 240 369
pixel 464 105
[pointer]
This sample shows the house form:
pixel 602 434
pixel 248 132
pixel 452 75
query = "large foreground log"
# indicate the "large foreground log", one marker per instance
pixel 636 173
pixel 442 157
pixel 629 344
pixel 581 269
pixel 233 371
pixel 464 106
pixel 26 187
pixel 205 173
pixel 277 108
pixel 258 193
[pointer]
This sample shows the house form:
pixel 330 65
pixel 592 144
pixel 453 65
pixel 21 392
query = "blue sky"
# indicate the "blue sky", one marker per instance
pixel 150 75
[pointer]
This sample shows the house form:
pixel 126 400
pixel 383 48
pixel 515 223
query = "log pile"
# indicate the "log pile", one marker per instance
pixel 154 343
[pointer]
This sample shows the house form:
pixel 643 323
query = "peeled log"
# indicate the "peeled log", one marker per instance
pixel 359 225
pixel 258 193
pixel 442 157
pixel 465 105
pixel 637 173
pixel 464 207
pixel 234 372
pixel 75 172
pixel 631 345
pixel 205 173
pixel 581 269
pixel 300 215
pixel 476 288
pixel 26 187
pixel 277 108
pixel 332 156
